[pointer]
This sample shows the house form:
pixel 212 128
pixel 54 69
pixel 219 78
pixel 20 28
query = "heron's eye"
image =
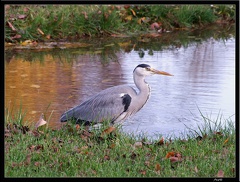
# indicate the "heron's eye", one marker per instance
pixel 147 68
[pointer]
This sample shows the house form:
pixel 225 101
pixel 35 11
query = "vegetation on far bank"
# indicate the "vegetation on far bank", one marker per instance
pixel 74 151
pixel 43 23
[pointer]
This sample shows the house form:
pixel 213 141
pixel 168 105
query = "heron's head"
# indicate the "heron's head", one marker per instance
pixel 146 70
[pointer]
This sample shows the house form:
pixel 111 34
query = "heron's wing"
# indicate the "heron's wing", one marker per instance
pixel 106 105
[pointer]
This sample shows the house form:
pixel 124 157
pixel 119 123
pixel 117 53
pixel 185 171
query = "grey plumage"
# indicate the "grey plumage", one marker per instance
pixel 114 104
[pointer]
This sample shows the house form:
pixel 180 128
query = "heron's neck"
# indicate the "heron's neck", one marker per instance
pixel 144 88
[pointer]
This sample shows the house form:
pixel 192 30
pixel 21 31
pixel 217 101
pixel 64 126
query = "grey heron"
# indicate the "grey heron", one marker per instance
pixel 115 104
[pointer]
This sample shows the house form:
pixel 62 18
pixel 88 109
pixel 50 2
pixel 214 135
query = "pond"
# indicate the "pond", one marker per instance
pixel 51 81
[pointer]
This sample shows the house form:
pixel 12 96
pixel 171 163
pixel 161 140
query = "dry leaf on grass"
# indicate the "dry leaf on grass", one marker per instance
pixel 137 145
pixel 175 159
pixel 40 31
pixel 41 121
pixel 196 169
pixel 108 131
pixel 225 141
pixel 143 172
pixel 157 167
pixel 220 174
pixel 161 142
pixel 170 154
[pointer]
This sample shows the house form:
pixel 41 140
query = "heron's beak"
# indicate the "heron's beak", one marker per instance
pixel 160 72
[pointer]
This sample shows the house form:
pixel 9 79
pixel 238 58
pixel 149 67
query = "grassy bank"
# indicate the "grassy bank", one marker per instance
pixel 73 151
pixel 72 22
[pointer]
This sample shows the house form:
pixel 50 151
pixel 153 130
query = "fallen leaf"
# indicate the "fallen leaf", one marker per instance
pixel 28 159
pixel 26 42
pixel 154 26
pixel 24 75
pixel 218 133
pixel 17 36
pixel 37 164
pixel 161 142
pixel 170 154
pixel 175 159
pixel 137 145
pixel 147 163
pixel 225 141
pixel 133 12
pixel 140 20
pixel 77 126
pixel 48 36
pixel 11 26
pixel 112 145
pixel 143 172
pixel 220 174
pixel 26 9
pixel 106 157
pixel 196 169
pixel 14 164
pixel 21 16
pixel 84 148
pixel 7 135
pixel 36 133
pixel 35 86
pixel 129 18
pixel 41 121
pixel 40 31
pixel 178 155
pixel 85 15
pixel 157 167
pixel 108 131
pixel 86 133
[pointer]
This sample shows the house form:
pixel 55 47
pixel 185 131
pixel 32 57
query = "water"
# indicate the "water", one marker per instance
pixel 54 81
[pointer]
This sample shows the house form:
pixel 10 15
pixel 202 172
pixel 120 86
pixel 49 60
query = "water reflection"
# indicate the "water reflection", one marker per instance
pixel 204 78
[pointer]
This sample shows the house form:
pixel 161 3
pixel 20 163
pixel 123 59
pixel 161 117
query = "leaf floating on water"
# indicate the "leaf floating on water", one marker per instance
pixel 41 121
pixel 24 75
pixel 33 112
pixel 13 71
pixel 35 86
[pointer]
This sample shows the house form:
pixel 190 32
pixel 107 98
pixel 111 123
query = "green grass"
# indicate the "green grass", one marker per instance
pixel 77 21
pixel 75 152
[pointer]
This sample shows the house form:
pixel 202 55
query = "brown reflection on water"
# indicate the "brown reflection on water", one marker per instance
pixel 53 86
